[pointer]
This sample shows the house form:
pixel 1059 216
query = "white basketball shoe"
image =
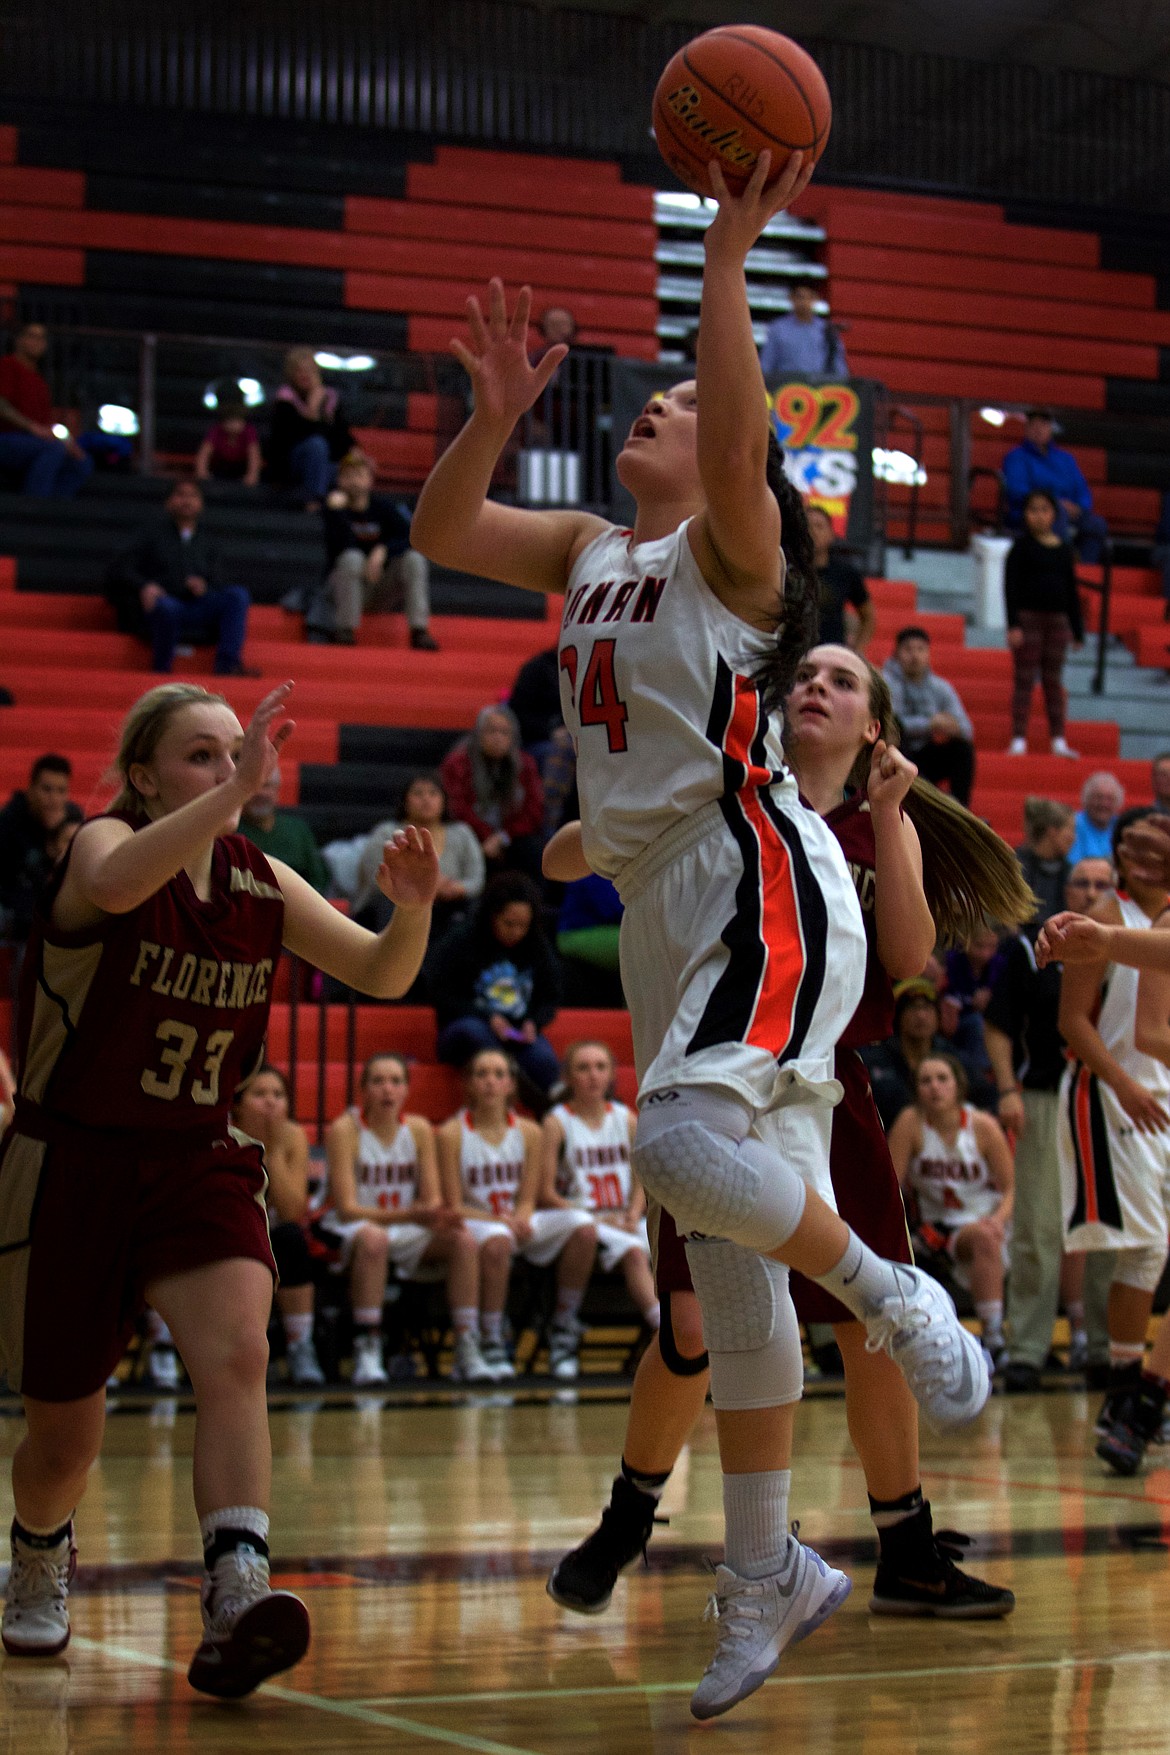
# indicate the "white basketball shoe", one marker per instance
pixel 945 1366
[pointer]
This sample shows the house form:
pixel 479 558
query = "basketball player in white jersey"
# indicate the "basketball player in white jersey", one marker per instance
pixel 489 1161
pixel 742 942
pixel 1136 1416
pixel 386 1210
pixel 957 1163
pixel 1113 1136
pixel 585 1144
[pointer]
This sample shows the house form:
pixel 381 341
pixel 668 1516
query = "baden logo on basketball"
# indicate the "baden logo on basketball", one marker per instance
pixel 687 105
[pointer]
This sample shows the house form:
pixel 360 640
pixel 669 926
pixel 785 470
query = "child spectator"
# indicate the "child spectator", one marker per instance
pixel 1043 616
pixel 386 1209
pixel 496 983
pixel 262 1111
pixel 231 448
pixel 371 563
pixel 585 1162
pixel 494 786
pixel 489 1160
pixel 956 1163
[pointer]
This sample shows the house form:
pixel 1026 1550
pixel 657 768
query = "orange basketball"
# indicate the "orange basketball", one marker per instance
pixel 732 92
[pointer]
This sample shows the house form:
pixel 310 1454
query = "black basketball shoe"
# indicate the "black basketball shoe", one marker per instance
pixel 1136 1423
pixel 583 1581
pixel 937 1587
pixel 1123 1380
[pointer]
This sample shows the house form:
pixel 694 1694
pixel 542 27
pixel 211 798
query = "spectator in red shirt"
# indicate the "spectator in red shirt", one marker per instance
pixel 231 448
pixel 494 785
pixel 49 468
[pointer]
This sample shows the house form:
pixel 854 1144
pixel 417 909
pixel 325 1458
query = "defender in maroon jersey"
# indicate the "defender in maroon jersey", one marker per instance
pixel 840 735
pixel 144 1005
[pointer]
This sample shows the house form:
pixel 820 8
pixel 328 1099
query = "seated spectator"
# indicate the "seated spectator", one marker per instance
pixel 492 785
pixel 231 448
pixel 1102 801
pixel 34 832
pixel 936 732
pixel 371 563
pixel 1160 783
pixel 1043 616
pixel 536 700
pixel 846 608
pixel 281 834
pixel 386 1209
pixel 496 983
pixel 308 435
pixel 49 468
pixel 461 862
pixel 489 1161
pixel 585 1144
pixel 261 1109
pixel 972 969
pixel 1038 463
pixel 1050 828
pixel 168 588
pixel 918 1032
pixel 803 344
pixel 957 1165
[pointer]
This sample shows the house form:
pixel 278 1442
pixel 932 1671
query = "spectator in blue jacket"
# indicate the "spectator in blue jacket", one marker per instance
pixel 1102 801
pixel 1038 463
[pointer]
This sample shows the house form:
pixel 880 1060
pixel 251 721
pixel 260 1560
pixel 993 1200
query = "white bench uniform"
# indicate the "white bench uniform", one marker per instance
pixel 1115 1182
pixel 387 1178
pixel 491 1176
pixel 742 946
pixel 595 1175
pixel 953 1184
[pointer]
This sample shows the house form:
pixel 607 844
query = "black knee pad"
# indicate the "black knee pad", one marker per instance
pixel 678 1364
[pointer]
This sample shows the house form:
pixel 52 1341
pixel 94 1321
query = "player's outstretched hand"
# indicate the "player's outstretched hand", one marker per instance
pixel 409 873
pixel 1070 938
pixel 260 750
pixel 495 358
pixel 741 218
pixel 891 775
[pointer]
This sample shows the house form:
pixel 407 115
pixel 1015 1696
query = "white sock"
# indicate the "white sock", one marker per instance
pixel 755 1510
pixel 247 1520
pixel 369 1316
pixel 568 1303
pixel 465 1319
pixel 1122 1353
pixel 491 1324
pixel 861 1280
pixel 298 1327
pixel 990 1314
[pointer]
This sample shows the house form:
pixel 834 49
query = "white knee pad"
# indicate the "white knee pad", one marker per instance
pixel 693 1154
pixel 749 1325
pixel 1140 1268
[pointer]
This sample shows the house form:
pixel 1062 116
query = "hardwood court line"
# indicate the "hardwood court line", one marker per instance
pixel 1008 1484
pixel 1097 1661
pixel 358 1710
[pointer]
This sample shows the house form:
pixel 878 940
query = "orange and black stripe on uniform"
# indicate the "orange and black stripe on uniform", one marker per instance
pixel 768 993
pixel 1096 1200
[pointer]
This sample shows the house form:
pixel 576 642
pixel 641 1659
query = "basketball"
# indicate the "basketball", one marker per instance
pixel 730 94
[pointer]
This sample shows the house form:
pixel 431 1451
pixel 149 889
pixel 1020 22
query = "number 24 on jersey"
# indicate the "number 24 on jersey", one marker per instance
pixel 598 701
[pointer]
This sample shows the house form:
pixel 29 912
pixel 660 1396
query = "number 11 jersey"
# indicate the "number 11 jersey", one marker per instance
pixel 153 1018
pixel 658 691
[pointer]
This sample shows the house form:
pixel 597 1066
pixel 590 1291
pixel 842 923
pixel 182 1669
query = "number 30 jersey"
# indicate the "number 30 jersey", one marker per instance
pixel 152 1019
pixel 657 691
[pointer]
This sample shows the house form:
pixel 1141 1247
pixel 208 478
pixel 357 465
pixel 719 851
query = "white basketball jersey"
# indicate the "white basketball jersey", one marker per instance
pixel 491 1174
pixel 657 691
pixel 595 1162
pixel 387 1175
pixel 1118 1013
pixel 953 1184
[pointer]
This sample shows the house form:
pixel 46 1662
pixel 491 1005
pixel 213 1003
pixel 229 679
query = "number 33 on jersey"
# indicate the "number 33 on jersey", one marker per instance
pixel 657 690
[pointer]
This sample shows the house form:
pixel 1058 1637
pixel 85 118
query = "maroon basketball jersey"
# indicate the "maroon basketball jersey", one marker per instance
pixel 154 1018
pixel 873 1021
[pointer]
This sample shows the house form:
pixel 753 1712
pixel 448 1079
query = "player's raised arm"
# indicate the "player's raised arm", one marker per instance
pixel 383 963
pixel 455 524
pixel 742 519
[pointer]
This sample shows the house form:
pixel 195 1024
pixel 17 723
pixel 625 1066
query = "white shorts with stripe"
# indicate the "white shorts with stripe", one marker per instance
pixel 614 1242
pixel 551 1229
pixel 743 959
pixel 1114 1181
pixel 408 1243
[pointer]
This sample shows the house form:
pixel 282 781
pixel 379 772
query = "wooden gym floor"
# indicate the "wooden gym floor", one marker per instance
pixel 420 1532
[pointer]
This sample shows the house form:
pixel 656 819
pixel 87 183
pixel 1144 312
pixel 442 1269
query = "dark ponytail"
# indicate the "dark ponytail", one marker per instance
pixel 797 617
